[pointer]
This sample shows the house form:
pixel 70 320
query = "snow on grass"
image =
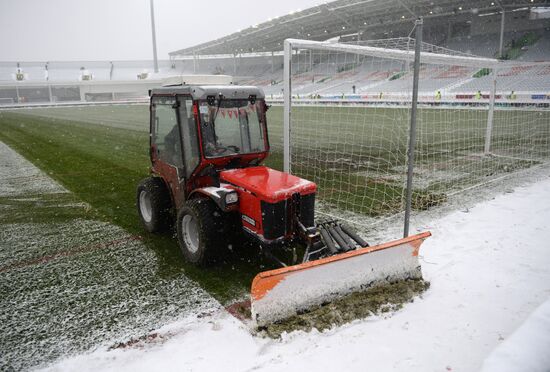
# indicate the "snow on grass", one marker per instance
pixel 134 116
pixel 527 349
pixel 98 296
pixel 488 269
pixel 70 283
pixel 21 177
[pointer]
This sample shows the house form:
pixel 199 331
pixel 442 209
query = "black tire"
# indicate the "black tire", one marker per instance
pixel 156 216
pixel 209 231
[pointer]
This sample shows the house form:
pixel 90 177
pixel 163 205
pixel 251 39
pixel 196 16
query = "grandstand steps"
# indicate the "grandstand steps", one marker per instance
pixel 458 84
pixel 327 89
pixel 372 85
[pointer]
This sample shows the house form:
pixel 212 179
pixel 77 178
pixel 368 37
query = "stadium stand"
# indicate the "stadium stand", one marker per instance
pixel 254 55
pixel 540 51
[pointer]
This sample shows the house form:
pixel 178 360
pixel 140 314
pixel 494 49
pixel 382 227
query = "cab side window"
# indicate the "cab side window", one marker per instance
pixel 166 135
pixel 189 135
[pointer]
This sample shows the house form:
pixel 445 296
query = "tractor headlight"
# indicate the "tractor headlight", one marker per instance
pixel 231 198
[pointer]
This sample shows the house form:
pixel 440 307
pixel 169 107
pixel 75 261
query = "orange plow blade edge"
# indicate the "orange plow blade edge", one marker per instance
pixel 281 293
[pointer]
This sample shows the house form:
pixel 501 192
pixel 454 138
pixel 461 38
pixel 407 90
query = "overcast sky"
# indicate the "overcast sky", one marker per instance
pixel 53 30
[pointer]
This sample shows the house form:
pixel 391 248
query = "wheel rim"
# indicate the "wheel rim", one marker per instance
pixel 145 206
pixel 190 230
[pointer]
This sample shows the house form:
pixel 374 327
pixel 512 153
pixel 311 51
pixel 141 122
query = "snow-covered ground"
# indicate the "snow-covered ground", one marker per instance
pixel 74 283
pixel 489 268
pixel 527 349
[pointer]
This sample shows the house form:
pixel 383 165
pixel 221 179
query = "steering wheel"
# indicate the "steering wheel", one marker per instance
pixel 235 148
pixel 219 150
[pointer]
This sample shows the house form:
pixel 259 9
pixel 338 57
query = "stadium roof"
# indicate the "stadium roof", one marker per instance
pixel 344 17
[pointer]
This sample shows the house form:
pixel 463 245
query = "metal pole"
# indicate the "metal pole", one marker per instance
pixel 501 34
pixel 412 129
pixel 82 92
pixel 490 115
pixel 287 94
pixel 155 61
pixel 358 42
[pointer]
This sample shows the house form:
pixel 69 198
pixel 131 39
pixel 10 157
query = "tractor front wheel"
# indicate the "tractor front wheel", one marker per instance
pixel 201 230
pixel 153 204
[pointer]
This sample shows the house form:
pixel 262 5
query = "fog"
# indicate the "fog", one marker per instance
pixel 53 30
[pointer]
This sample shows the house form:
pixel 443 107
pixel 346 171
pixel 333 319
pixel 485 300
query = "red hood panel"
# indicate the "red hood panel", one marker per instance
pixel 270 185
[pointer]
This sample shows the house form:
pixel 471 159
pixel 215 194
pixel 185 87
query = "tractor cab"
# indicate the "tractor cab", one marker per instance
pixel 199 130
pixel 207 144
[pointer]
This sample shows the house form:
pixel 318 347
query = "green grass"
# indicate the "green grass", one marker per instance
pixel 369 145
pixel 135 117
pixel 356 155
pixel 60 207
pixel 69 283
pixel 102 165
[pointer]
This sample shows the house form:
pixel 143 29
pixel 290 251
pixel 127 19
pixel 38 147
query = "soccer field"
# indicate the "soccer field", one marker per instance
pixel 357 155
pixel 101 164
pixel 99 153
pixel 77 269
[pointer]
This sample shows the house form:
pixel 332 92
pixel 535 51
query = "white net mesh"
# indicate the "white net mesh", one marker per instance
pixel 348 150
pixel 350 118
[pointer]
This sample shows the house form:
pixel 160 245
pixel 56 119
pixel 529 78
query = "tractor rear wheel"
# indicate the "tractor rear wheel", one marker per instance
pixel 153 204
pixel 201 230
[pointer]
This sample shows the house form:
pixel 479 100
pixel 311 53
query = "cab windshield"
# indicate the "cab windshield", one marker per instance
pixel 232 127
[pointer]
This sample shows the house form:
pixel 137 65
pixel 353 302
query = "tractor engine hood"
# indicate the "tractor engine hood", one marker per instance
pixel 268 184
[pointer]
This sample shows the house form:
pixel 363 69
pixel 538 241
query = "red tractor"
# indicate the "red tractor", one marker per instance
pixel 207 145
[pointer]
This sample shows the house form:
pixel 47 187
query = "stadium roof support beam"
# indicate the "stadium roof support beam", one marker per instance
pixel 337 15
pixel 501 44
pixel 407 8
pixel 502 20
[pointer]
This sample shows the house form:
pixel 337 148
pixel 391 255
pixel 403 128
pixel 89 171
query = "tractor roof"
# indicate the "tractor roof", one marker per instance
pixel 202 91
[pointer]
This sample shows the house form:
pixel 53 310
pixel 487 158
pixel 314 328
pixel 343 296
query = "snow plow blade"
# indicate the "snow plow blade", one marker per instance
pixel 281 293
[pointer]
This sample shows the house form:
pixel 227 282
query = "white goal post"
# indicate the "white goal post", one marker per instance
pixel 346 119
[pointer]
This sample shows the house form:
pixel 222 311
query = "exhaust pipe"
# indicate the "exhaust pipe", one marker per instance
pixel 354 236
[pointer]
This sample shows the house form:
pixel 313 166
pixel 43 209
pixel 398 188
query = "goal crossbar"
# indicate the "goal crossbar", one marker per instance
pixel 358 147
pixel 408 55
pixel 403 55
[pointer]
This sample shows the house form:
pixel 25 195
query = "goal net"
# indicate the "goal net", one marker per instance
pixel 349 109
